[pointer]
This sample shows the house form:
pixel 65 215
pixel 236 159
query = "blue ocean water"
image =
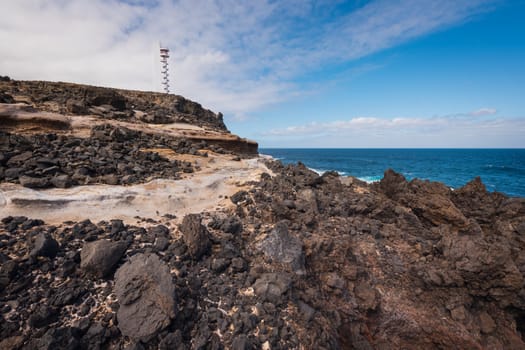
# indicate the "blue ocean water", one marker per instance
pixel 501 170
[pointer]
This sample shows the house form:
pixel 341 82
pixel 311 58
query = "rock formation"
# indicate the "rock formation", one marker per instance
pixel 288 260
pixel 146 295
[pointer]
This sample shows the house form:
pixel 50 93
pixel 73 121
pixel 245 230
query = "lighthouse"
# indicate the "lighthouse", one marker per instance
pixel 164 55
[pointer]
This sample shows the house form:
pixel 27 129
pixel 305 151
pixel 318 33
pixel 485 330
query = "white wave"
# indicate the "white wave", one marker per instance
pixel 370 179
pixel 267 156
pixel 320 172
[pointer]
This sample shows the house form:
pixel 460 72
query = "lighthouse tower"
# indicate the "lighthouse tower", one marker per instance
pixel 164 55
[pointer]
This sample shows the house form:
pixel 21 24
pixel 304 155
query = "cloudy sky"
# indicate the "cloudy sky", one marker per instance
pixel 296 73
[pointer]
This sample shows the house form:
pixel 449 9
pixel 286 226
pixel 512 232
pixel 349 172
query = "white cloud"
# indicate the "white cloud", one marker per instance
pixel 483 112
pixel 232 56
pixel 472 129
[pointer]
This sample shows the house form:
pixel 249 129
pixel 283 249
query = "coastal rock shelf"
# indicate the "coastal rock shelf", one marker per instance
pixel 167 240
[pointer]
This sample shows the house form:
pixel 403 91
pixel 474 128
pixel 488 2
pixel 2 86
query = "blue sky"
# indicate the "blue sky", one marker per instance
pixel 297 73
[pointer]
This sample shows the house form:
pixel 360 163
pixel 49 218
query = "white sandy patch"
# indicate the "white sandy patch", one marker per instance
pixel 205 190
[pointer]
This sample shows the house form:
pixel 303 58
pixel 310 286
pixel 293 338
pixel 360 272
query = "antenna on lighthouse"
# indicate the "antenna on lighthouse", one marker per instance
pixel 164 55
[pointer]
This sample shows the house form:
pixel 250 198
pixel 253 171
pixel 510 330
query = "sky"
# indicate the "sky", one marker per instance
pixel 296 73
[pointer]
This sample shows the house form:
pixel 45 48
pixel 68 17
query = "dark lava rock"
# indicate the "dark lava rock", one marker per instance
pixel 13 173
pixel 42 316
pixel 146 295
pixel 117 226
pixel 171 341
pixel 76 107
pixel 6 98
pixel 33 182
pixel 219 264
pixel 61 181
pixel 195 235
pixel 239 197
pixel 20 159
pixel 7 272
pixel 29 223
pixel 159 231
pixel 238 265
pixel 58 338
pixel 306 310
pixel 230 224
pixel 272 286
pixel 161 243
pixel 100 257
pixel 282 247
pixel 241 343
pixel 45 245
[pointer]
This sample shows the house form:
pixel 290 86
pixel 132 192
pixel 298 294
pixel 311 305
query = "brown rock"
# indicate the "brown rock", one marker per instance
pixel 195 235
pixel 486 323
pixel 367 297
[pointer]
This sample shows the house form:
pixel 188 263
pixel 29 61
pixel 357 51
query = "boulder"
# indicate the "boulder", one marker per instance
pixel 61 181
pixel 145 291
pixel 45 245
pixel 100 257
pixel 33 182
pixel 195 235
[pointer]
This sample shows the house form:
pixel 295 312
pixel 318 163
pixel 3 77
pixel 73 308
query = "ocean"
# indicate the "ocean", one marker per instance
pixel 501 170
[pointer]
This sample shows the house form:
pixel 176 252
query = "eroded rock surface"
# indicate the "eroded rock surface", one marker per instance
pixel 146 295
pixel 100 257
pixel 280 246
pixel 196 235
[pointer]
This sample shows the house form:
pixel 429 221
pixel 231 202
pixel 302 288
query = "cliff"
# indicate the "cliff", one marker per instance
pixel 122 233
pixel 64 107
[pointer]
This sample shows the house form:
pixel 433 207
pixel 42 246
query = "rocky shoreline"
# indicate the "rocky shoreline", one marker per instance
pixel 293 261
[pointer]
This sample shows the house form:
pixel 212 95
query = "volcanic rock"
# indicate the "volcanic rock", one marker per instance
pixel 272 286
pixel 100 257
pixel 195 235
pixel 61 181
pixel 239 196
pixel 282 247
pixel 146 295
pixel 42 316
pixel 486 323
pixel 7 271
pixel 45 245
pixel 33 182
